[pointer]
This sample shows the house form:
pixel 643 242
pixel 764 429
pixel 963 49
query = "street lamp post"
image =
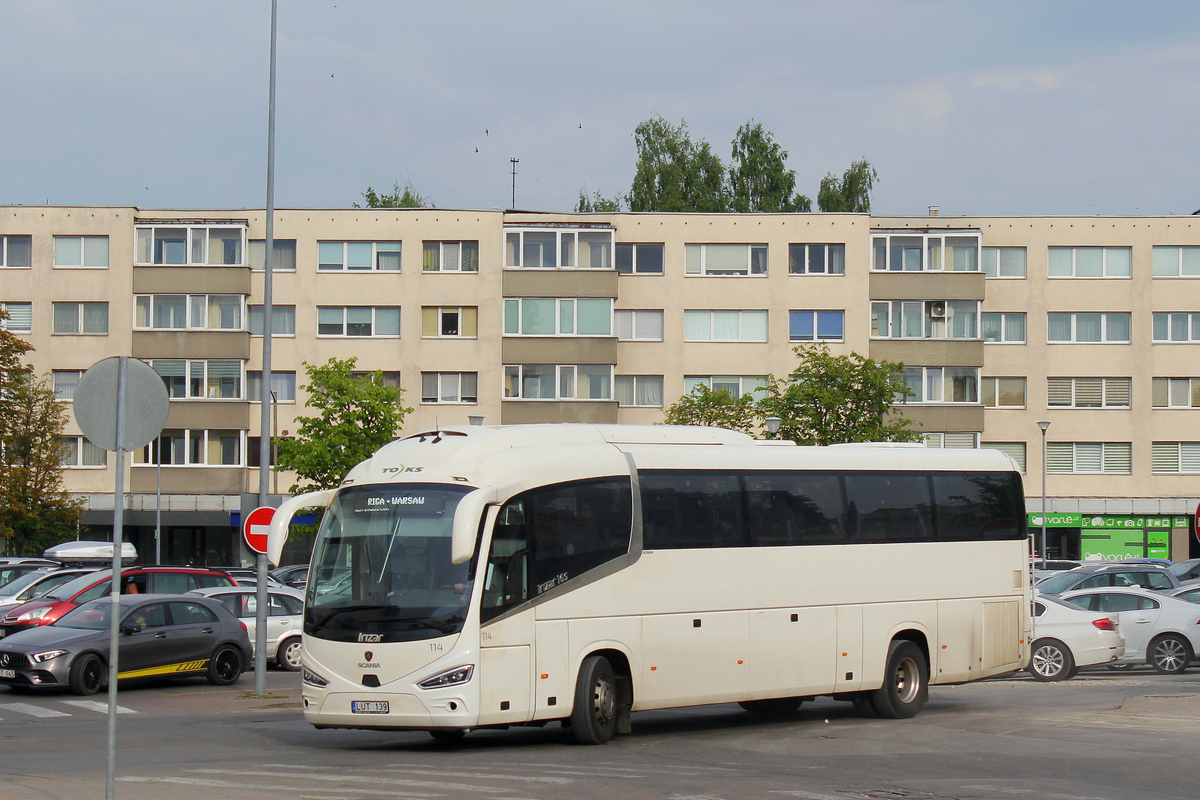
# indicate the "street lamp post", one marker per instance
pixel 1043 425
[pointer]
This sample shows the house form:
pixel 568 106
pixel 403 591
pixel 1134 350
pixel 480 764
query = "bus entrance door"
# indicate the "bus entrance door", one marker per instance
pixel 506 670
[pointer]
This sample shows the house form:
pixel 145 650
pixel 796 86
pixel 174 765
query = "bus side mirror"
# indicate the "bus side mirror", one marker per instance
pixel 278 532
pixel 466 524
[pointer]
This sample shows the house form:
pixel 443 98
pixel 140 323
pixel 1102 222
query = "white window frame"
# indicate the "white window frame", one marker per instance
pixel 144 457
pixel 80 318
pixel 932 256
pixel 84 244
pixel 193 303
pixel 6 253
pixel 1176 261
pixel 284 379
pixel 1106 255
pixel 1105 318
pixel 638 320
pixel 15 325
pixel 565 308
pixel 755 385
pixel 693 315
pixel 279 315
pixel 1172 389
pixel 1089 458
pixel 566 247
pixel 989 389
pixel 991 262
pixel 935 381
pixel 816 315
pixel 196 244
pixel 260 264
pixel 343 265
pixel 952 440
pixel 937 318
pixel 805 268
pixel 345 323
pixel 81 447
pixel 1171 321
pixel 1175 458
pixel 631 385
pixel 635 249
pixel 1004 318
pixel 567 381
pixel 1110 390
pixel 695 260
pixel 64 391
pixel 196 373
pixel 463 313
pixel 450 388
pixel 441 247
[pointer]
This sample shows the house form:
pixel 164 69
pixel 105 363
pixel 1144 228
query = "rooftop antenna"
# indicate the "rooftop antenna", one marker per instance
pixel 514 161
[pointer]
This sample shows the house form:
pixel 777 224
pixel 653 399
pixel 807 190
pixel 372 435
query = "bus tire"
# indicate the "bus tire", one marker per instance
pixel 594 718
pixel 905 682
pixel 1051 660
pixel 772 707
pixel 87 675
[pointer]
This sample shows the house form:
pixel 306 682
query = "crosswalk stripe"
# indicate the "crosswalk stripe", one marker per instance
pixel 34 711
pixel 97 705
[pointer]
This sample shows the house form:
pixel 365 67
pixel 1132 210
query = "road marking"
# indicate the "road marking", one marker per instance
pixel 463 787
pixel 34 711
pixel 96 705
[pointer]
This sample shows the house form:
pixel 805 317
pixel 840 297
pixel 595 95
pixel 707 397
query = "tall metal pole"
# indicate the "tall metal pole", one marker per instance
pixel 158 499
pixel 115 593
pixel 1043 425
pixel 514 161
pixel 264 424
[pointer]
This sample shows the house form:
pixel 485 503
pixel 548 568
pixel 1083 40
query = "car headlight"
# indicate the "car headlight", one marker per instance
pixel 450 677
pixel 312 678
pixel 32 614
pixel 48 655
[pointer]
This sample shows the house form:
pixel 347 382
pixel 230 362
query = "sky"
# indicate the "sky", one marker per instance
pixel 1020 107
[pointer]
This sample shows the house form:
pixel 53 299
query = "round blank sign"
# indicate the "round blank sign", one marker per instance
pixel 146 403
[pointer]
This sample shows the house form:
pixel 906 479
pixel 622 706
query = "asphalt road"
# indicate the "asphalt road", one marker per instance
pixel 1102 736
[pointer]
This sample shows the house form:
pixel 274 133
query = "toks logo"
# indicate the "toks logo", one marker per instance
pixel 403 469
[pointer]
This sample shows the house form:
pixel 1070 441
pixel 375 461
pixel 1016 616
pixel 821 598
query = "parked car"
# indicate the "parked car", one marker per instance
pixel 285 619
pixel 1051 566
pixel 12 567
pixel 1186 570
pixel 34 584
pixel 135 580
pixel 248 576
pixel 1112 573
pixel 1066 638
pixel 161 636
pixel 1189 591
pixel 1158 629
pixel 293 575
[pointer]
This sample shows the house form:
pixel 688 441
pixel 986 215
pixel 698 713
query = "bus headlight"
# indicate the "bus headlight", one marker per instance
pixel 312 678
pixel 450 677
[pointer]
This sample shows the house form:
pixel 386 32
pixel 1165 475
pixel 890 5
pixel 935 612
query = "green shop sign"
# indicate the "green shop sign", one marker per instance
pixel 1107 521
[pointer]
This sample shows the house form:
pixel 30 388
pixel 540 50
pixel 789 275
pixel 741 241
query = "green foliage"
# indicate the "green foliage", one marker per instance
pixel 36 511
pixel 716 409
pixel 831 399
pixel 852 192
pixel 596 203
pixel 406 198
pixel 674 173
pixel 759 180
pixel 358 415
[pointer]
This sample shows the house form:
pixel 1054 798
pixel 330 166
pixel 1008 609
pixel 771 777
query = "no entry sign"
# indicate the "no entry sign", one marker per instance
pixel 255 528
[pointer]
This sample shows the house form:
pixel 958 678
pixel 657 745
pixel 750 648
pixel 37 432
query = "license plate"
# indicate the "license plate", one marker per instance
pixel 369 706
pixel 12 673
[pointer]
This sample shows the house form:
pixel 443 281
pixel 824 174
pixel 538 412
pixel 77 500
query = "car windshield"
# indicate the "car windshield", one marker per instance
pixel 90 616
pixel 381 565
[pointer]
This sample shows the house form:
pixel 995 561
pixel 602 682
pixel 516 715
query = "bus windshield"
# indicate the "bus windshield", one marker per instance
pixel 381 566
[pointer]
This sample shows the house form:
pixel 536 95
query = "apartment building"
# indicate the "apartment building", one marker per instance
pixel 1088 323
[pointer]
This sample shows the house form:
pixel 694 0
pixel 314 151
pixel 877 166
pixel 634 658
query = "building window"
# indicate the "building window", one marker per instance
pixel 558 382
pixel 724 326
pixel 449 387
pixel 1014 450
pixel 548 316
pixel 450 321
pixel 254 444
pixel 909 251
pixel 1003 327
pixel 942 384
pixel 361 256
pixel 388 378
pixel 1003 262
pixel 925 319
pixel 1086 327
pixel 450 257
pixel 283 320
pixel 811 326
pixel 16 250
pixel 358 321
pixel 194 448
pixel 549 248
pixel 1176 393
pixel 283 386
pixel 81 251
pixel 1090 262
pixel 170 245
pixel 735 385
pixel 1088 392
pixel 195 312
pixel 199 379
pixel 639 390
pixel 967 440
pixel 1081 458
pixel 1174 458
pixel 1002 392
pixel 80 451
pixel 641 325
pixel 816 259
pixel 725 259
pixel 65 381
pixel 90 319
pixel 640 259
pixel 1176 262
pixel 20 317
pixel 1176 326
pixel 285 255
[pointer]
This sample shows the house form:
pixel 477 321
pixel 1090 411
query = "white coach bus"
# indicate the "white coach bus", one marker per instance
pixel 478 577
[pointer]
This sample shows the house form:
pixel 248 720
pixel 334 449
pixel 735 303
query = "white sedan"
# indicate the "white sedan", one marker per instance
pixel 285 619
pixel 1159 630
pixel 1065 638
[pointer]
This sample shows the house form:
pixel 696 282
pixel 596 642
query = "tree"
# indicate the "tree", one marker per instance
pixel 358 415
pixel 718 409
pixel 758 177
pixel 830 399
pixel 596 203
pixel 852 192
pixel 408 198
pixel 36 511
pixel 674 173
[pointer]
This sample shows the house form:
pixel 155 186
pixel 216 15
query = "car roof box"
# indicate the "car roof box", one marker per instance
pixel 90 553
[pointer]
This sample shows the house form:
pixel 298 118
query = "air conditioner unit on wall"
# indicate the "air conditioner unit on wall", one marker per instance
pixel 937 309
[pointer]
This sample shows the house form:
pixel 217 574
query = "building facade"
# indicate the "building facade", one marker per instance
pixel 1088 323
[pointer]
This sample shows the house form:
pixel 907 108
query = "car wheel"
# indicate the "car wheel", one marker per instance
pixel 905 682
pixel 87 675
pixel 289 653
pixel 773 707
pixel 594 718
pixel 225 666
pixel 1170 654
pixel 1051 660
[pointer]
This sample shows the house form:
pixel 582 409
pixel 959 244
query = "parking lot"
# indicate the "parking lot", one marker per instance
pixel 1101 736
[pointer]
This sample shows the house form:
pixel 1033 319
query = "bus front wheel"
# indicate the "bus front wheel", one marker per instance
pixel 905 682
pixel 594 717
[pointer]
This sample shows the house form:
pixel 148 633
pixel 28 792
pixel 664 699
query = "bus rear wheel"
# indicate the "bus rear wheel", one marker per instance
pixel 594 718
pixel 905 682
pixel 773 707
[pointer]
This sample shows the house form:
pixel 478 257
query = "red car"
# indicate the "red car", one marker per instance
pixel 135 580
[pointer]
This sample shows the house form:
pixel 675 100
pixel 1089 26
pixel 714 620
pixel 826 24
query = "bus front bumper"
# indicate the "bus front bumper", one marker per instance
pixel 386 710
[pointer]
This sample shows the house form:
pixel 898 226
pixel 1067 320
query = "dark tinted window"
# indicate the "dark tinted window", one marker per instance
pixel 789 508
pixel 692 509
pixel 191 614
pixel 293 604
pixel 174 583
pixel 978 507
pixel 1115 601
pixel 1155 580
pixel 206 580
pixel 890 507
pixel 151 616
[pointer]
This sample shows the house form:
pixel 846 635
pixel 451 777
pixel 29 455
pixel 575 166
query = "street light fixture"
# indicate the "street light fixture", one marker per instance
pixel 772 424
pixel 1043 425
